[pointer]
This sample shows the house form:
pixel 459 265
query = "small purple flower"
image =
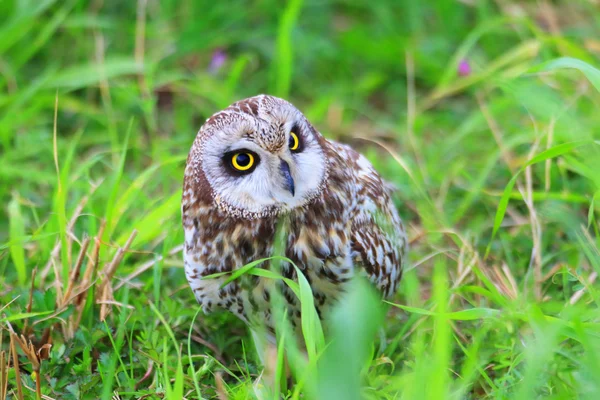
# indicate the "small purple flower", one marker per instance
pixel 219 56
pixel 464 68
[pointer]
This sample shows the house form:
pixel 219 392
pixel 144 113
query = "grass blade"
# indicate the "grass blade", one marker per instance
pixel 284 60
pixel 550 153
pixel 17 233
pixel 592 73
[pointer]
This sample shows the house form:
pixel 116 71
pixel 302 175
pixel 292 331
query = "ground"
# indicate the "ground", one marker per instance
pixel 483 114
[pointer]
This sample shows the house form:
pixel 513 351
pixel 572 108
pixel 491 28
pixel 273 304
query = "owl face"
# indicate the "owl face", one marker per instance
pixel 260 156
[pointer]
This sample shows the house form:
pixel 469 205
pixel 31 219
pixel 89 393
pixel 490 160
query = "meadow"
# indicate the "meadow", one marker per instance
pixel 483 114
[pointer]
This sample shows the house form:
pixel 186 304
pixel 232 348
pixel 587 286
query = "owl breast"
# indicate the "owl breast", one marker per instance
pixel 351 227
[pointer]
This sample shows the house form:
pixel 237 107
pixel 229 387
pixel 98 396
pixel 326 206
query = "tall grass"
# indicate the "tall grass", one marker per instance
pixel 482 114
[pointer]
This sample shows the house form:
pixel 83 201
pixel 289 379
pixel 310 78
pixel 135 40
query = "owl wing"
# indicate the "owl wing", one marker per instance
pixel 378 239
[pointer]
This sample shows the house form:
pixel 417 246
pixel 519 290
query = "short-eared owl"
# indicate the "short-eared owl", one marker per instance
pixel 260 164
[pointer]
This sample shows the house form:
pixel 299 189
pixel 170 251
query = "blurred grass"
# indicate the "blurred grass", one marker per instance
pixel 496 169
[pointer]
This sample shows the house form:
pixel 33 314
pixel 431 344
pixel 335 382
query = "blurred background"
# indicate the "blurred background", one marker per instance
pixel 450 99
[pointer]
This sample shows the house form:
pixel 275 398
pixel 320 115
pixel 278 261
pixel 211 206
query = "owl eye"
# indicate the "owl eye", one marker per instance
pixel 294 142
pixel 242 161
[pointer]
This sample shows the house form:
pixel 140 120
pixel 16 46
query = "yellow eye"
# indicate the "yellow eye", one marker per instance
pixel 242 161
pixel 294 143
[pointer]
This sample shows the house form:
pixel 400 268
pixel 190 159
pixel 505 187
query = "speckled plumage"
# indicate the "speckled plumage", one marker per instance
pixel 340 222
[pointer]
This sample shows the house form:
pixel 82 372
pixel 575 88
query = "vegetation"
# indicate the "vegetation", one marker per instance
pixel 484 114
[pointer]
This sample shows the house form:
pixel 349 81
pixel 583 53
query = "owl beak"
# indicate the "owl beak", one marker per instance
pixel 287 176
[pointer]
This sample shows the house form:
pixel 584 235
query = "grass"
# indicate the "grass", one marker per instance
pixel 496 169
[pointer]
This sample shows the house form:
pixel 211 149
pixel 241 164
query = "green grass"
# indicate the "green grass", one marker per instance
pixel 497 175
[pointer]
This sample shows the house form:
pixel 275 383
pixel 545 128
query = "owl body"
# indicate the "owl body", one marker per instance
pixel 334 210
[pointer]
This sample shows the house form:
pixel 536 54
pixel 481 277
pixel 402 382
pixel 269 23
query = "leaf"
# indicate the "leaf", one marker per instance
pixel 21 23
pixel 45 34
pixel 311 324
pixel 273 275
pixel 284 61
pixel 470 41
pixel 473 313
pixel 116 181
pixel 591 209
pixel 17 233
pixel 90 74
pixel 462 315
pixel 192 368
pixel 592 73
pixel 353 324
pixel 252 270
pixel 556 151
pixel 552 152
pixel 20 316
pixel 153 224
pixel 136 187
pixel 246 268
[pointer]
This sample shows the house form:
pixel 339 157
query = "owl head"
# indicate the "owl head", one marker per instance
pixel 258 157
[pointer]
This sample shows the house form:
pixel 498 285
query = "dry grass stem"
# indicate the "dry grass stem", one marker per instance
pixel 105 289
pixel 4 368
pixel 145 267
pixel 221 392
pixel 74 275
pixel 57 247
pixel 578 294
pixel 13 350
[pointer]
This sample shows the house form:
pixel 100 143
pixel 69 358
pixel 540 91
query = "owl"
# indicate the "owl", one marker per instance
pixel 259 166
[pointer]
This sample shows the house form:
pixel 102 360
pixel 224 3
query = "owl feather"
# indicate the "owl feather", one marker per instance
pixel 260 163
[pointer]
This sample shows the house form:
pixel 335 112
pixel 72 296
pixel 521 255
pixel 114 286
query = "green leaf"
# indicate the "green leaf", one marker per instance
pixel 17 233
pixel 353 324
pixel 246 268
pixel 591 209
pixel 91 74
pixel 463 315
pixel 592 73
pixel 284 61
pixel 556 151
pixel 311 324
pixel 552 152
pixel 20 316
pixel 293 285
pixel 151 225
